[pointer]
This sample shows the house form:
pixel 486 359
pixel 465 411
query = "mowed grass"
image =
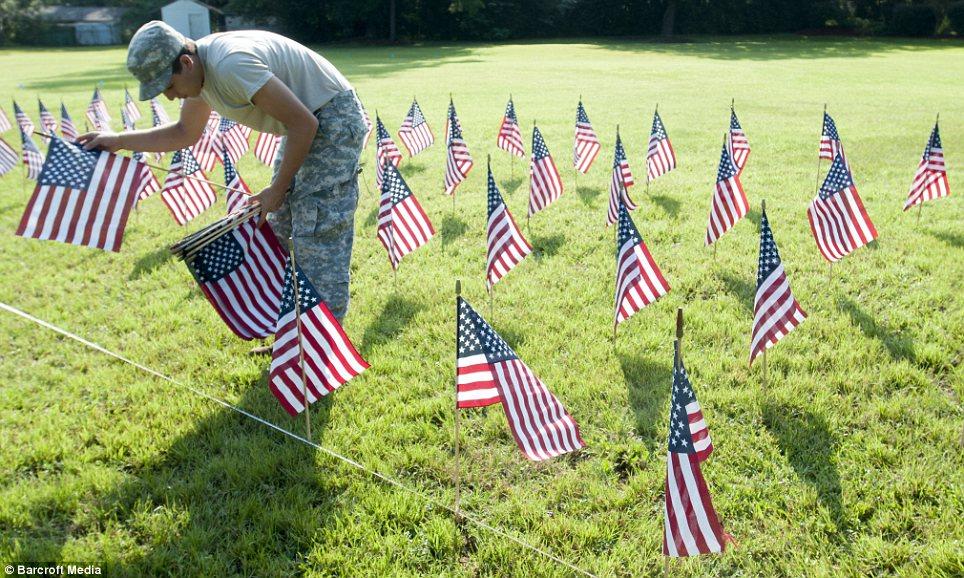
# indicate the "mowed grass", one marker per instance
pixel 849 463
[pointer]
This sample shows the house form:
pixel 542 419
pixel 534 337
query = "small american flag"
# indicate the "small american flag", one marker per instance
pixel 97 112
pixel 330 359
pixel 739 145
pixel 830 145
pixel 242 273
pixel 133 113
pixel 233 139
pixel 415 133
pixel 586 146
pixel 238 191
pixel 126 120
pixel 385 151
pixel 159 116
pixel 545 184
pixel 4 121
pixel 639 281
pixel 186 190
pixel 368 125
pixel 458 161
pixel 489 372
pixel 660 158
pixel 150 184
pixel 402 224
pixel 8 158
pixel 26 125
pixel 82 197
pixel 621 180
pixel 775 309
pixel 838 220
pixel 207 150
pixel 506 245
pixel 930 180
pixel 266 148
pixel 691 525
pixel 31 156
pixel 47 121
pixel 729 201
pixel 510 137
pixel 67 128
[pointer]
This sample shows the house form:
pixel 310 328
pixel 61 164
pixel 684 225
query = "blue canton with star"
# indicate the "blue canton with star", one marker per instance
pixel 28 144
pixel 189 164
pixel 510 112
pixel 935 140
pixel 307 296
pixel 620 156
pixel 455 128
pixel 581 116
pixel 475 336
pixel 659 131
pixel 380 128
pixel 495 197
pixel 218 259
pixel 416 113
pixel 627 229
pixel 539 148
pixel 394 184
pixel 734 123
pixel 727 169
pixel 830 127
pixel 680 439
pixel 230 173
pixel 225 124
pixel 67 165
pixel 838 179
pixel 769 255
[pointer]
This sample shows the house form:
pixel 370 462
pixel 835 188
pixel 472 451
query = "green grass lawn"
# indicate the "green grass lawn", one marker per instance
pixel 848 464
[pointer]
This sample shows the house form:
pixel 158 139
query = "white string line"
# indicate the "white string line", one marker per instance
pixel 478 522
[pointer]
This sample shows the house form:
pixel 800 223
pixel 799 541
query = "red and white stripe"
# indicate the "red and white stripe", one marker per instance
pixel 775 312
pixel 402 226
pixel 8 158
pixel 415 133
pixel 691 525
pixel 739 147
pixel 639 280
pixel 458 163
pixel 266 148
pixel 4 121
pixel 545 183
pixel 150 184
pixel 585 148
pixel 660 158
pixel 26 125
pixel 506 246
pixel 160 115
pixel 67 128
pixel 385 151
pixel 840 224
pixel 729 205
pixel 620 181
pixel 510 138
pixel 207 150
pixel 368 126
pixel 47 121
pixel 235 143
pixel 475 382
pixel 31 156
pixel 130 107
pixel 186 196
pixel 930 180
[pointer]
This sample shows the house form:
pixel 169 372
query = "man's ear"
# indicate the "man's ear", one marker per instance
pixel 187 63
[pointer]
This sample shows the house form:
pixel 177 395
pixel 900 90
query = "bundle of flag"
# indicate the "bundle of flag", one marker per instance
pixel 506 246
pixel 8 158
pixel 97 112
pixel 621 179
pixel 67 128
pixel 830 145
pixel 415 133
pixel 586 145
pixel 402 224
pixel 82 197
pixel 775 309
pixel 385 151
pixel 187 193
pixel 266 148
pixel 660 158
pixel 130 107
pixel 691 526
pixel 233 138
pixel 26 125
pixel 48 124
pixel 930 180
pixel 4 121
pixel 510 136
pixel 729 201
pixel 32 158
pixel 458 161
pixel 238 191
pixel 545 184
pixel 310 335
pixel 838 220
pixel 739 145
pixel 639 281
pixel 489 372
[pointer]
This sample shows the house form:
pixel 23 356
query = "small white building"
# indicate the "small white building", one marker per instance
pixel 190 18
pixel 85 25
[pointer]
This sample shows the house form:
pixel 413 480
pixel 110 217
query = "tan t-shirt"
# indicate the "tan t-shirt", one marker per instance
pixel 238 64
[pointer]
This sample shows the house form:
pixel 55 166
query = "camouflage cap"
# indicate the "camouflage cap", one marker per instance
pixel 151 54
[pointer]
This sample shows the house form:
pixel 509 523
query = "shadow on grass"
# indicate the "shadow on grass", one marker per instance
pixel 372 219
pixel 395 315
pixel 898 346
pixel 109 76
pixel 588 194
pixel 953 239
pixel 648 384
pixel 668 204
pixel 810 447
pixel 451 228
pixel 744 290
pixel 546 245
pixel 149 263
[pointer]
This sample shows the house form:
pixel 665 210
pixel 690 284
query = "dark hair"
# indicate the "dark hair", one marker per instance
pixel 190 49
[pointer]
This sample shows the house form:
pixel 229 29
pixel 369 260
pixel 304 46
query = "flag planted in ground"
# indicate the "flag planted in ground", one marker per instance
pixel 729 203
pixel 830 145
pixel 660 156
pixel 639 280
pixel 586 146
pixel 266 148
pixel 233 139
pixel 458 161
pixel 385 151
pixel 402 224
pixel 838 220
pixel 415 133
pixel 4 121
pixel 97 112
pixel 31 156
pixel 23 121
pixel 930 180
pixel 510 136
pixel 8 158
pixel 620 180
pixel 545 183
pixel 739 145
pixel 130 107
pixel 67 127
pixel 238 192
pixel 186 192
pixel 506 246
pixel 48 123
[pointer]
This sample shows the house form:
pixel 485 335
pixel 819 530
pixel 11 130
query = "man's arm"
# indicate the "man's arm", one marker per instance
pixel 171 137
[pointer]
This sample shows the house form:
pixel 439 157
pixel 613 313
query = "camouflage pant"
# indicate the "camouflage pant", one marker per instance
pixel 319 213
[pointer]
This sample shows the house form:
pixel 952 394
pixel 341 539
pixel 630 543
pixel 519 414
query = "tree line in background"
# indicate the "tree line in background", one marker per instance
pixel 495 20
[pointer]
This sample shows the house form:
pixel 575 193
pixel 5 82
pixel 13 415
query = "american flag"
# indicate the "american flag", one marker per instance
pixel 26 125
pixel 385 151
pixel 232 138
pixel 207 150
pixel 545 184
pixel 82 197
pixel 488 372
pixel 415 133
pixel 691 525
pixel 622 178
pixel 8 158
pixel 238 191
pixel 242 273
pixel 930 180
pixel 368 125
pixel 133 113
pixel 67 128
pixel 830 145
pixel 159 116
pixel 739 145
pixel 330 359
pixel 506 245
pixel 266 147
pixel 660 158
pixel 510 137
pixel 639 281
pixel 586 146
pixel 185 194
pixel 729 201
pixel 97 112
pixel 47 121
pixel 31 156
pixel 4 121
pixel 126 120
pixel 838 220
pixel 402 224
pixel 458 161
pixel 150 184
pixel 775 309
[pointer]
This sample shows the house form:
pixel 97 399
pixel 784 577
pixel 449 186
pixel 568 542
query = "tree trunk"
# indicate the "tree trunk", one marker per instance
pixel 669 18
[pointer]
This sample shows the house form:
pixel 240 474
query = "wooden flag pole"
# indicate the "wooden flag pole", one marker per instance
pixel 679 328
pixel 764 370
pixel 301 348
pixel 458 478
pixel 365 179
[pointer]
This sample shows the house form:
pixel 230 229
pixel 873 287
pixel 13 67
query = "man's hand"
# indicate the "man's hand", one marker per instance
pixel 271 199
pixel 106 141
